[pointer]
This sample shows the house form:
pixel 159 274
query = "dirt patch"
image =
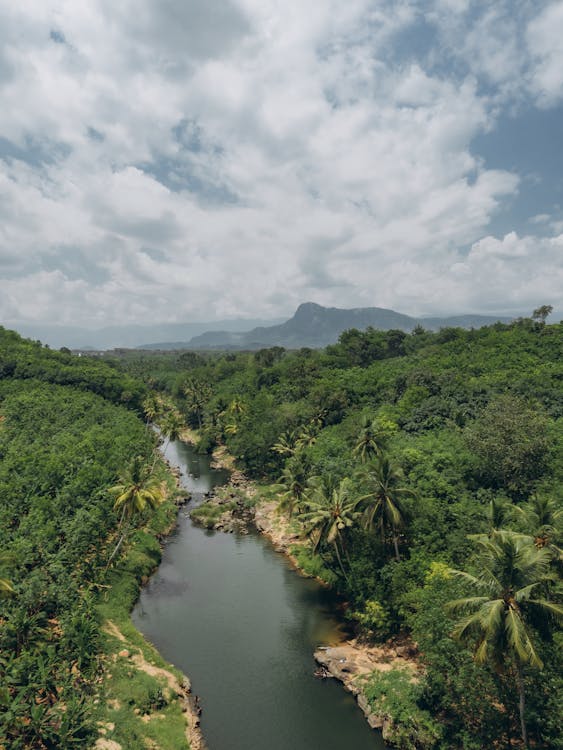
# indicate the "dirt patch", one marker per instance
pixel 103 744
pixel 222 459
pixel 145 666
pixel 353 663
pixel 111 628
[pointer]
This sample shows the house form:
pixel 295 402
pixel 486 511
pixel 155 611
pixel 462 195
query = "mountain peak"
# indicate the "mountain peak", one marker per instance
pixel 307 310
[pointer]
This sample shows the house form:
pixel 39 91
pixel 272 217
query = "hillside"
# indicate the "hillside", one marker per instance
pixel 70 427
pixel 315 326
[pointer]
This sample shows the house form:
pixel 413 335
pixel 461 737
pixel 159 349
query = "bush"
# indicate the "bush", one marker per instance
pixel 394 695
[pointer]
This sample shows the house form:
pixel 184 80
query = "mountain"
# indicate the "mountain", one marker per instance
pixel 315 326
pixel 132 336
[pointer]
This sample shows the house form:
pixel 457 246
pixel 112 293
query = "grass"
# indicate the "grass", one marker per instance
pixel 209 513
pixel 312 564
pixel 136 709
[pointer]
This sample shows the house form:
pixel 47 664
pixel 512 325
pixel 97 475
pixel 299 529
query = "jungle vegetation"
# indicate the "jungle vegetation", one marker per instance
pixel 78 482
pixel 426 469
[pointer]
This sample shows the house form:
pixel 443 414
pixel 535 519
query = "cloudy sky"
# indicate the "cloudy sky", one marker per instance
pixel 170 160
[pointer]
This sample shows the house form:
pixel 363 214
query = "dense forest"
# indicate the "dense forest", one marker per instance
pixel 70 431
pixel 426 470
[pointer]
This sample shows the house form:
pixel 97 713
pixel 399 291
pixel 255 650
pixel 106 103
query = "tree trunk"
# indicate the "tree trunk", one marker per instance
pixel 522 702
pixel 340 560
pixel 122 537
pixel 396 546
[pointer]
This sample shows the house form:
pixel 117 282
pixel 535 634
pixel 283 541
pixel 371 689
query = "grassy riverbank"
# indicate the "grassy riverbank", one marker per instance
pixel 143 701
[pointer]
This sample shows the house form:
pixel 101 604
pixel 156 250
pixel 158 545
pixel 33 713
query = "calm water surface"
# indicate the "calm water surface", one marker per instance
pixel 228 611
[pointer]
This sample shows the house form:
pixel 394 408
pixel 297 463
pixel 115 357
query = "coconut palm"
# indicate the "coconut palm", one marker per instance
pixel 6 588
pixel 197 394
pixel 542 517
pixel 286 445
pixel 171 427
pixel 500 512
pixel 151 407
pixel 331 512
pixel 370 440
pixel 384 507
pixel 237 407
pixel 138 489
pixel 306 437
pixel 293 483
pixel 506 591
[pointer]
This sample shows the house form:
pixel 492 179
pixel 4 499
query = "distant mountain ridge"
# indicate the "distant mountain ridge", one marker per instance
pixel 312 325
pixel 128 336
pixel 316 326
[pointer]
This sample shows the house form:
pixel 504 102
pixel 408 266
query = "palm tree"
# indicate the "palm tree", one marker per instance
pixel 307 436
pixel 6 588
pixel 511 570
pixel 171 427
pixel 293 483
pixel 500 511
pixel 197 395
pixel 542 517
pixel 237 407
pixel 370 440
pixel 286 445
pixel 137 490
pixel 151 407
pixel 331 512
pixel 384 507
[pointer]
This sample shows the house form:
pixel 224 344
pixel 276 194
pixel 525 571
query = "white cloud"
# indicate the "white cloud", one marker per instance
pixel 544 41
pixel 191 164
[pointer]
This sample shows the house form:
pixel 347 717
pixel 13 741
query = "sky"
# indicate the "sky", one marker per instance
pixel 176 160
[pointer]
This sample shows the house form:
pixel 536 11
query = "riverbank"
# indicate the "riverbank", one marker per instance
pixel 142 698
pixel 354 663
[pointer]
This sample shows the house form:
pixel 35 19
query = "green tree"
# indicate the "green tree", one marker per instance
pixel 511 443
pixel 137 490
pixel 370 440
pixel 171 427
pixel 384 507
pixel 151 407
pixel 286 444
pixel 331 512
pixel 500 512
pixel 506 593
pixel 197 393
pixel 293 482
pixel 6 588
pixel 541 313
pixel 542 517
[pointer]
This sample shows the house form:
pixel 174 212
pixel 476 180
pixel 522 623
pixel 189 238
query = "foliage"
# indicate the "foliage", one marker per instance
pixel 65 435
pixel 470 427
pixel 396 696
pixel 512 444
pixel 508 595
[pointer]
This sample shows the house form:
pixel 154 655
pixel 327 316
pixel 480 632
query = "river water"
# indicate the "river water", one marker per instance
pixel 230 612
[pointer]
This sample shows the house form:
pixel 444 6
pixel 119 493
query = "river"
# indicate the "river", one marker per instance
pixel 230 612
